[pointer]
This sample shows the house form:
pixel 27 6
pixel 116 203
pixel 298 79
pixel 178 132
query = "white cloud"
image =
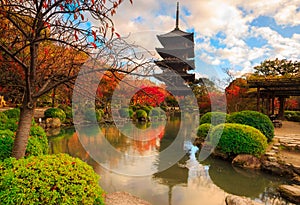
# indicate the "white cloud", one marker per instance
pixel 208 18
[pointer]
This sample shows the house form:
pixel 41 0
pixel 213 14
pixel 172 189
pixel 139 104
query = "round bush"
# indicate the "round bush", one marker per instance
pixel 55 113
pixel 202 131
pixel 68 111
pixel 255 119
pixel 147 109
pixel 6 142
pixel 141 114
pixel 292 115
pixel 3 118
pixel 239 139
pixel 37 142
pixel 10 124
pixel 214 118
pixel 50 179
pixel 12 113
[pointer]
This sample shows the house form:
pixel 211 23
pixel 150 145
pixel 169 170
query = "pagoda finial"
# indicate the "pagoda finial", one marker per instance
pixel 177 16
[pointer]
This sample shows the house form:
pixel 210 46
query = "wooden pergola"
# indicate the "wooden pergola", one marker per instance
pixel 270 88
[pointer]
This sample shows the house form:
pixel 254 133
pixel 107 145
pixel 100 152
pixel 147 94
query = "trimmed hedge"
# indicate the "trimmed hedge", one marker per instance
pixel 68 111
pixel 141 114
pixel 239 139
pixel 12 113
pixel 55 113
pixel 202 131
pixel 3 118
pixel 37 142
pixel 50 179
pixel 255 119
pixel 6 142
pixel 292 115
pixel 217 117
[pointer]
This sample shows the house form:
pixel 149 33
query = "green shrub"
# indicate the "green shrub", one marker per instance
pixel 202 131
pixel 55 113
pixel 141 114
pixel 214 118
pixel 90 113
pixel 6 142
pixel 68 111
pixel 147 109
pixel 292 115
pixel 3 118
pixel 239 139
pixel 12 113
pixel 50 179
pixel 255 119
pixel 10 124
pixel 37 142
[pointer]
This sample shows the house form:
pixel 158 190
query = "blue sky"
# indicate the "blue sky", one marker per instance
pixel 234 35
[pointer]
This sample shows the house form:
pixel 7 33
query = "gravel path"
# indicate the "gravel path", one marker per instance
pixel 123 198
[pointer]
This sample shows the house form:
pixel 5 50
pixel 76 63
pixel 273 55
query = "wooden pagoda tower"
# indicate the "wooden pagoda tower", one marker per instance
pixel 178 58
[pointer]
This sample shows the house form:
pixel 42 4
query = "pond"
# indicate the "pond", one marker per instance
pixel 133 166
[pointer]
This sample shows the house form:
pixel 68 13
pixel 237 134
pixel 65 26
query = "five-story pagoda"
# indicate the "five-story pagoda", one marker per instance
pixel 178 58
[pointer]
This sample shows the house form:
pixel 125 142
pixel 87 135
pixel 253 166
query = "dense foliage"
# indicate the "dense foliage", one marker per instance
pixel 55 113
pixel 292 115
pixel 239 139
pixel 50 179
pixel 37 142
pixel 214 118
pixel 255 119
pixel 12 113
pixel 203 130
pixel 141 114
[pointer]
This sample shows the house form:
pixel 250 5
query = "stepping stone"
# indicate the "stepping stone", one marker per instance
pixel 272 159
pixel 270 153
pixel 291 192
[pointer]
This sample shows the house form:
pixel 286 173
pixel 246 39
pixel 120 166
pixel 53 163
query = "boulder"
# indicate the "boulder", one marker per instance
pixel 53 123
pixel 291 192
pixel 246 161
pixel 276 168
pixel 238 200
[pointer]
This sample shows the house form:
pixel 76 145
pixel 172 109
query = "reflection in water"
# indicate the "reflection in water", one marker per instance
pixel 187 182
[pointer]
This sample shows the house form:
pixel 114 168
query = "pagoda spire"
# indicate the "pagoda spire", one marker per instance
pixel 177 16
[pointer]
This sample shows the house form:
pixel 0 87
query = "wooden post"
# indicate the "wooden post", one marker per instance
pixel 273 104
pixel 257 99
pixel 281 108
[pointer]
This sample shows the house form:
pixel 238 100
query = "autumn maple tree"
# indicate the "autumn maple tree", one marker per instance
pixel 44 42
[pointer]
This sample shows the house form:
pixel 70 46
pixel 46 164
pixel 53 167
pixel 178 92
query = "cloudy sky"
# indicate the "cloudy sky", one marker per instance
pixel 234 34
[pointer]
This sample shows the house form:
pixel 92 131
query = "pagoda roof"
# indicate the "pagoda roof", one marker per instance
pixel 177 33
pixel 175 63
pixel 177 53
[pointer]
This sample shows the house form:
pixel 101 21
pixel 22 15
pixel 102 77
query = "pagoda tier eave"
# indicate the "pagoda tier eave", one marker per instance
pixel 176 64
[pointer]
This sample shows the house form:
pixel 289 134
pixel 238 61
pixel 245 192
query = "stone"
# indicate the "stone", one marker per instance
pixel 276 168
pixel 291 192
pixel 272 159
pixel 296 169
pixel 270 153
pixel 238 200
pixel 53 123
pixel 296 180
pixel 246 161
pixel 277 144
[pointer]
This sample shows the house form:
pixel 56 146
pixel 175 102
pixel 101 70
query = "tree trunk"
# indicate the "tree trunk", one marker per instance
pixel 23 131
